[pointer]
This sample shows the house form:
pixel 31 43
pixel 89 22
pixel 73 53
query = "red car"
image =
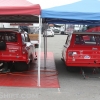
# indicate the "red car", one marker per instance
pixel 17 49
pixel 93 28
pixel 82 50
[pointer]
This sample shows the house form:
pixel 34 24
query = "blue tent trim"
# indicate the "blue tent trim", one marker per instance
pixel 81 10
pixel 71 21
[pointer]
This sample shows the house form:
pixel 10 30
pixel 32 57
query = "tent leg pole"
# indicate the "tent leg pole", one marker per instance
pixel 39 51
pixel 46 46
pixel 45 49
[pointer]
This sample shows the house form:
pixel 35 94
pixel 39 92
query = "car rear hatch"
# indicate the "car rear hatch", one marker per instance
pixel 9 46
pixel 49 32
pixel 11 50
pixel 84 55
pixel 86 49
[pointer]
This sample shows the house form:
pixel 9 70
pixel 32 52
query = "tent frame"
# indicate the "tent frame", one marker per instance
pixel 39 50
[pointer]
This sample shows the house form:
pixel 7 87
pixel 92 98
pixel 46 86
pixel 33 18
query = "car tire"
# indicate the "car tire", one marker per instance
pixel 21 66
pixel 31 59
pixel 1 65
pixel 52 35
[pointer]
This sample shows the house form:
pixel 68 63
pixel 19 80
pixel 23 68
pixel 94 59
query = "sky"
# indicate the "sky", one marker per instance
pixel 52 3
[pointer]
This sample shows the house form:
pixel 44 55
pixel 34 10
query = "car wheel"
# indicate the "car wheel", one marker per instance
pixel 21 66
pixel 31 59
pixel 52 35
pixel 62 59
pixel 1 65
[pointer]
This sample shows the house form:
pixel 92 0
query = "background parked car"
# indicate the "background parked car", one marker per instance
pixel 49 32
pixel 56 30
pixel 62 32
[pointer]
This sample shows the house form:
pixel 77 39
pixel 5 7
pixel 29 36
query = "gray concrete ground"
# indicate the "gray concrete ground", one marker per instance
pixel 72 85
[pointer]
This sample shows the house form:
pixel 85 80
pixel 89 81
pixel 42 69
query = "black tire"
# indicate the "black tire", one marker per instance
pixel 62 33
pixel 1 65
pixel 36 45
pixel 21 66
pixel 62 59
pixel 31 59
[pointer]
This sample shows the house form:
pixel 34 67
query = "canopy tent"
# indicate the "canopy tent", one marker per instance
pixel 13 11
pixel 22 11
pixel 18 7
pixel 83 11
pixel 80 12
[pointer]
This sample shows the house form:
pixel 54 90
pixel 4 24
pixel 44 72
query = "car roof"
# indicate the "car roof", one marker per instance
pixel 98 33
pixel 9 31
pixel 49 29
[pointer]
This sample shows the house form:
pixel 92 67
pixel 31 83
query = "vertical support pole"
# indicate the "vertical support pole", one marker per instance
pixel 45 35
pixel 39 51
pixel 46 45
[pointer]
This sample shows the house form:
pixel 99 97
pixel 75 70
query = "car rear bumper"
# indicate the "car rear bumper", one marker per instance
pixel 15 58
pixel 83 62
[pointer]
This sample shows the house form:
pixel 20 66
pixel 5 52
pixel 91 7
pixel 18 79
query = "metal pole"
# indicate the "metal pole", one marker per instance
pixel 39 51
pixel 45 49
pixel 46 45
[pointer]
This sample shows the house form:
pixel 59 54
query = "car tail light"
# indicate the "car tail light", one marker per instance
pixel 72 53
pixel 24 52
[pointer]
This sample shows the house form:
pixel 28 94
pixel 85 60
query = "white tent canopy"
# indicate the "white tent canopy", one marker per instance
pixel 52 3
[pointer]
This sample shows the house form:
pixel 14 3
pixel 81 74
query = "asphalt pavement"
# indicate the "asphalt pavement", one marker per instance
pixel 72 84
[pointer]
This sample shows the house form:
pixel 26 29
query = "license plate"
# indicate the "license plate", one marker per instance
pixel 86 57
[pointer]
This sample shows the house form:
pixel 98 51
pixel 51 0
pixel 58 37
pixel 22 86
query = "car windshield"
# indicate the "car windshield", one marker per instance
pixel 8 36
pixel 86 39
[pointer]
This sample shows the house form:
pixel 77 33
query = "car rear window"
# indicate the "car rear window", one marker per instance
pixel 8 36
pixel 86 39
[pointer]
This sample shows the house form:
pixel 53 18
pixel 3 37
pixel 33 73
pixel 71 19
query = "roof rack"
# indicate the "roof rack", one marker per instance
pixel 86 33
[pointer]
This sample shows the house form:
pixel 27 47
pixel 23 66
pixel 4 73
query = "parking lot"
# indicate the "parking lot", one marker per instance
pixel 72 85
